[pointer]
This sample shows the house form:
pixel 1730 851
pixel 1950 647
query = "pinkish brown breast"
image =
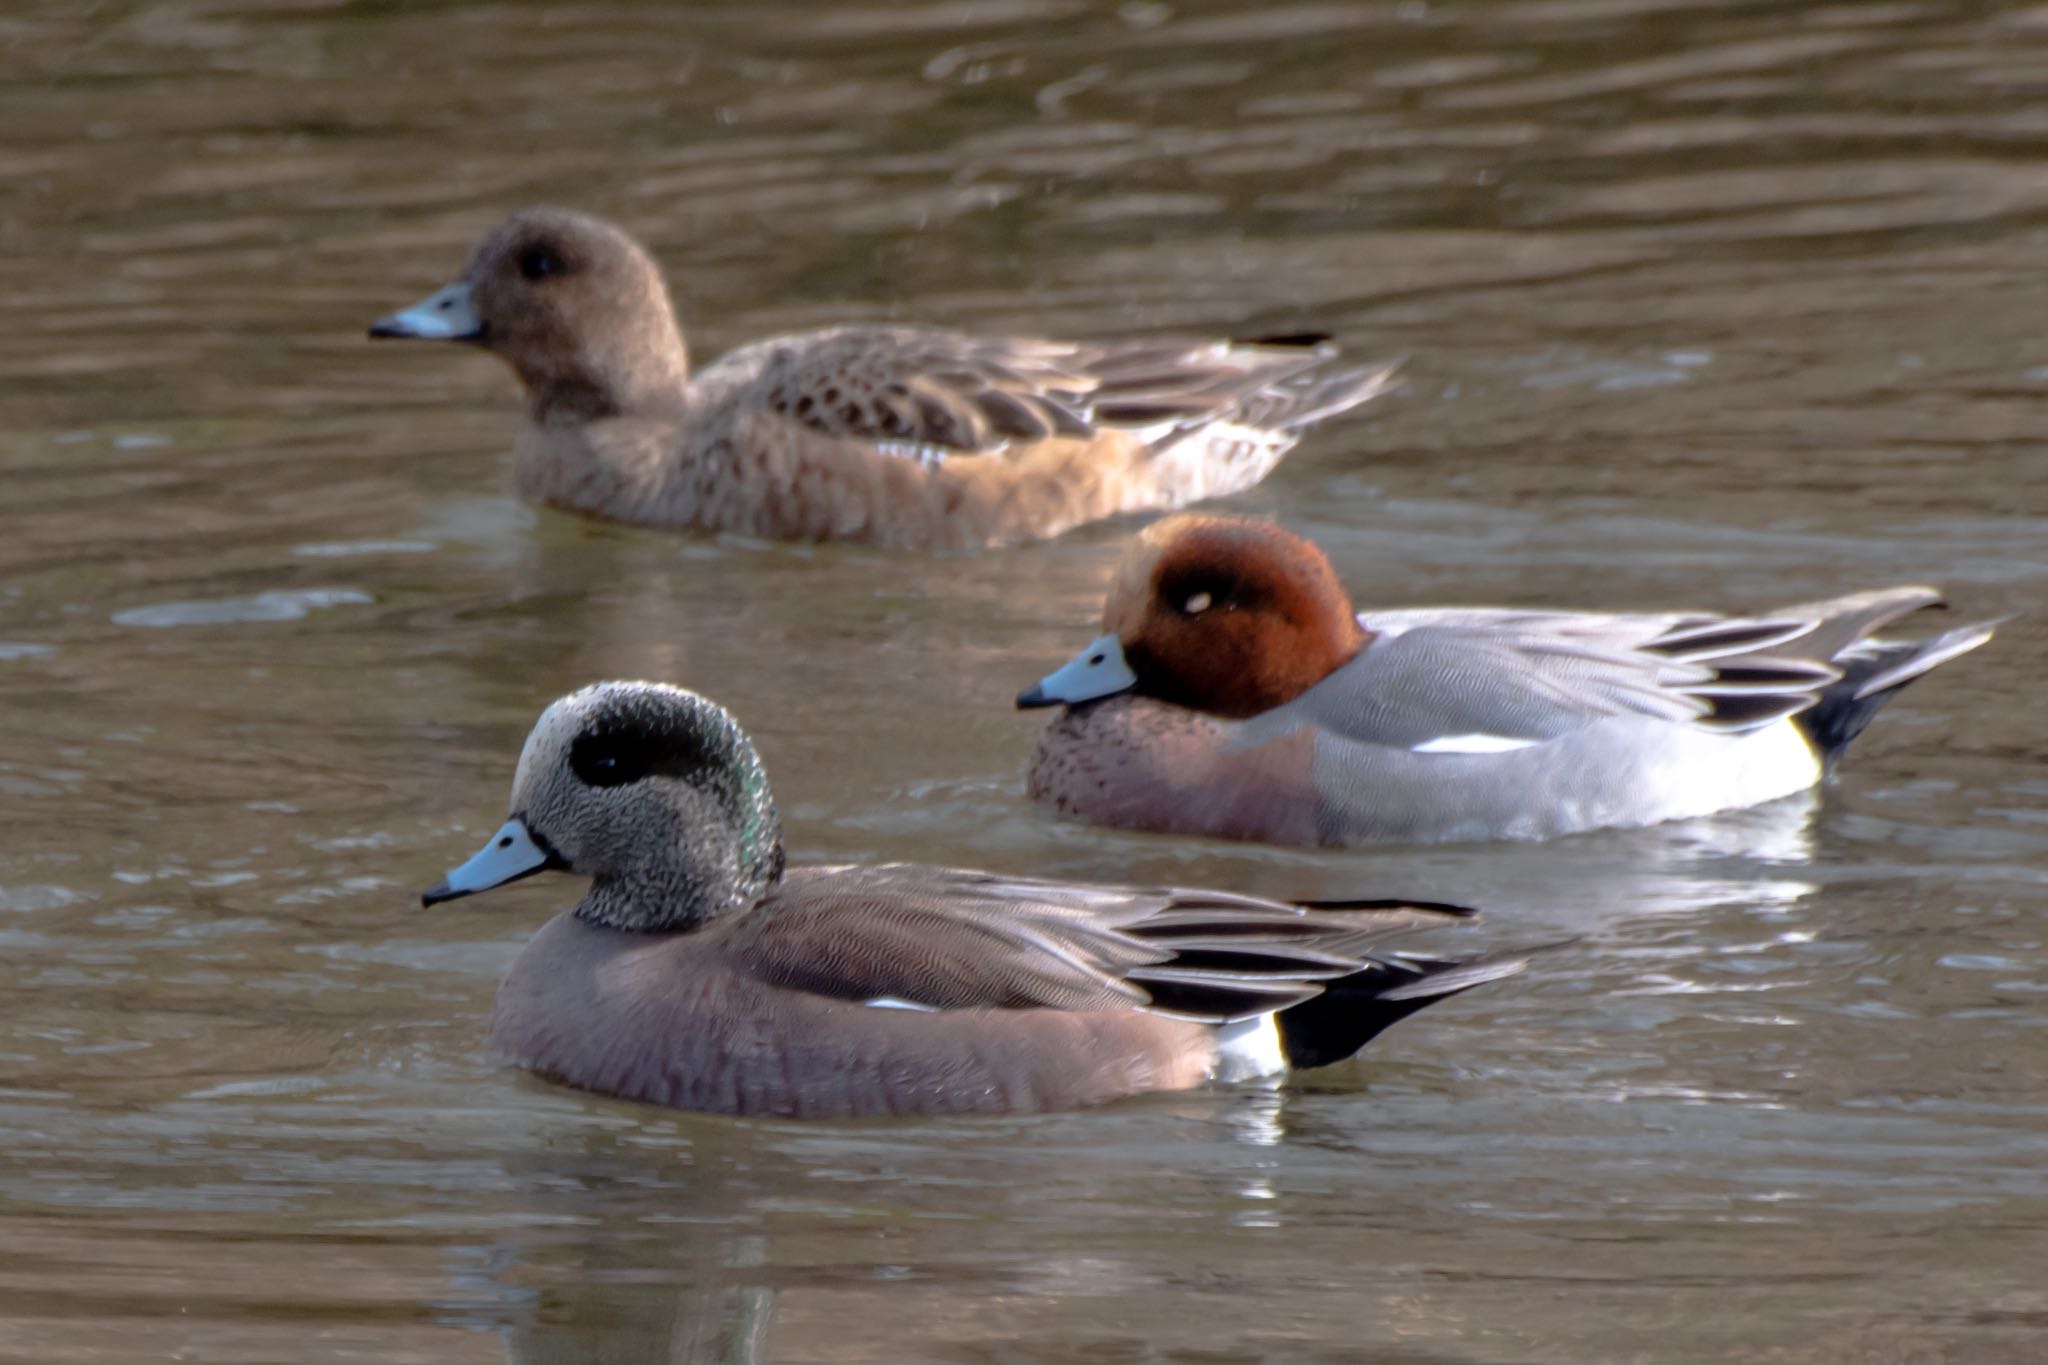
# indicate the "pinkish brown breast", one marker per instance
pixel 1140 764
pixel 666 1019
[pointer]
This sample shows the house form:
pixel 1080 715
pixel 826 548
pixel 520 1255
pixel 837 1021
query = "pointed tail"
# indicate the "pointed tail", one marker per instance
pixel 1873 671
pixel 1317 396
pixel 1353 1010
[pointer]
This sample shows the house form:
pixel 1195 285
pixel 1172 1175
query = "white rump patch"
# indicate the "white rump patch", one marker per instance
pixel 1472 744
pixel 890 1002
pixel 1248 1048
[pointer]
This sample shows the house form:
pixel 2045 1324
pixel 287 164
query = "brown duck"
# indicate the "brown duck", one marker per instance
pixel 913 437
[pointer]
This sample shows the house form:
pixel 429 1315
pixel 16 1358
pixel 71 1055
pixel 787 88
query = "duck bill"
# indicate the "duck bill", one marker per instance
pixel 512 853
pixel 1097 671
pixel 444 315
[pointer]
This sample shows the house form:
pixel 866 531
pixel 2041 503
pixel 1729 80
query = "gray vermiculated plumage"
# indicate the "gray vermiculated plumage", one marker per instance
pixel 1538 675
pixel 1621 706
pixel 1237 692
pixel 693 975
pixel 957 939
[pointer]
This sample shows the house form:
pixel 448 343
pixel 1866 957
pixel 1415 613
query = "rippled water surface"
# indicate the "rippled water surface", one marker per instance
pixel 1723 304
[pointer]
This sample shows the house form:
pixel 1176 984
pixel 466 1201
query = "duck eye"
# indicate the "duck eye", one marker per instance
pixel 1197 603
pixel 610 760
pixel 539 262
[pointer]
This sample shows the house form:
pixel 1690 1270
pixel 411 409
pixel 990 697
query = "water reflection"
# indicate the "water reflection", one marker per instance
pixel 702 1248
pixel 1704 304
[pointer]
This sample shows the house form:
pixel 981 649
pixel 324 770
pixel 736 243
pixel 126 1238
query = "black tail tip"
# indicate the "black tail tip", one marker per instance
pixel 1301 340
pixel 1356 1009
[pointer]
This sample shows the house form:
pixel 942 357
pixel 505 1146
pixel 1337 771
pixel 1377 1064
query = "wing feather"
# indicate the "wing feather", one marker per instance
pixel 1536 676
pixel 931 389
pixel 953 939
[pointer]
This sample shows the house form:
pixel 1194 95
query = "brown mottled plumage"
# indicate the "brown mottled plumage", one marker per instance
pixel 697 973
pixel 905 436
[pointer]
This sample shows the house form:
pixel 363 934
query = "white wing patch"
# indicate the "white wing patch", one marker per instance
pixel 1472 744
pixel 890 1002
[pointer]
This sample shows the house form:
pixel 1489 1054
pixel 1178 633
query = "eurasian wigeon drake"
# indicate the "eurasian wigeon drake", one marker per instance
pixel 1237 692
pixel 698 972
pixel 913 437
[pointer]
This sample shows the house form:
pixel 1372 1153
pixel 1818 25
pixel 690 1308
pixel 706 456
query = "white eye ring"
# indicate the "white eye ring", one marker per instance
pixel 1197 604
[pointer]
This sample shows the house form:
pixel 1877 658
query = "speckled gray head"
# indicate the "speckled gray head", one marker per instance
pixel 653 792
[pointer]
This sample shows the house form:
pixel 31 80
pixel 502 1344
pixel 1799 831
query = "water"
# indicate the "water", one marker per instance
pixel 1714 304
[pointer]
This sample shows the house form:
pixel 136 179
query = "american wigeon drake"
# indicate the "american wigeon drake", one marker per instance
pixel 913 437
pixel 697 972
pixel 1237 692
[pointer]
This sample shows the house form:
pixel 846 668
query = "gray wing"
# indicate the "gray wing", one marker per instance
pixel 947 938
pixel 1531 676
pixel 927 393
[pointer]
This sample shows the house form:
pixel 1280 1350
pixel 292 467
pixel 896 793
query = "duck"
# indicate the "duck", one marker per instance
pixel 700 971
pixel 1237 692
pixel 900 436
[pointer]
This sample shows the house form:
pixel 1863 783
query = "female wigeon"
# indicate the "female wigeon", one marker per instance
pixel 1237 692
pixel 697 972
pixel 905 436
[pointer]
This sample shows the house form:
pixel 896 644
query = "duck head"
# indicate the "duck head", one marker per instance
pixel 1229 616
pixel 575 306
pixel 653 792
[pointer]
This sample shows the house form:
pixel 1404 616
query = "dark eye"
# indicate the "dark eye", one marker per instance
pixel 539 262
pixel 610 760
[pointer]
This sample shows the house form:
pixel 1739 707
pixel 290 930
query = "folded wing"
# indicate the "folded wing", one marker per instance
pixel 950 939
pixel 1442 677
pixel 930 394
